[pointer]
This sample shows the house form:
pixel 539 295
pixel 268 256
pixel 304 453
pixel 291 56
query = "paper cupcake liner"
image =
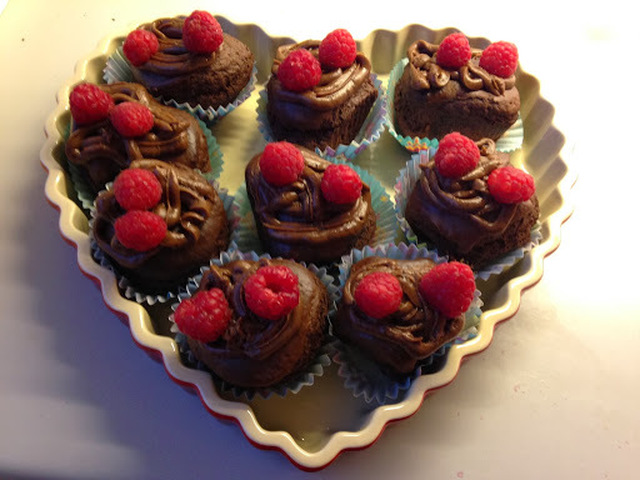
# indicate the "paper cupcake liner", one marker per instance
pixel 511 140
pixel 404 184
pixel 246 235
pixel 117 69
pixel 86 195
pixel 361 375
pixel 369 133
pixel 137 293
pixel 292 384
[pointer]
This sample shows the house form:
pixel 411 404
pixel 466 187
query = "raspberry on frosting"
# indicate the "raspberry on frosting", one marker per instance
pixel 272 291
pixel 300 70
pixel 139 46
pixel 204 316
pixel 509 184
pixel 281 163
pixel 456 155
pixel 140 230
pixel 500 58
pixel 341 184
pixel 137 189
pixel 378 294
pixel 449 287
pixel 202 33
pixel 89 103
pixel 337 50
pixel 454 51
pixel 131 119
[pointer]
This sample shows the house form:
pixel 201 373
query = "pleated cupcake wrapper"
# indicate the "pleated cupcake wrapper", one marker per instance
pixel 85 193
pixel 404 184
pixel 369 133
pixel 362 375
pixel 118 69
pixel 510 141
pixel 292 384
pixel 137 293
pixel 246 235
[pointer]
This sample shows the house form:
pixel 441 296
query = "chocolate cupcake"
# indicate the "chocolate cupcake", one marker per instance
pixel 256 323
pixel 321 92
pixel 159 223
pixel 191 62
pixel 307 208
pixel 469 203
pixel 452 87
pixel 99 147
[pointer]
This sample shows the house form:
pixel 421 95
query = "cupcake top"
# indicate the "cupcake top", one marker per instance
pixel 106 143
pixel 473 195
pixel 156 208
pixel 401 311
pixel 318 209
pixel 433 66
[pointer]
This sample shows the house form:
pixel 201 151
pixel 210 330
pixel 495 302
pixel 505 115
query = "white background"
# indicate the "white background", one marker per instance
pixel 556 395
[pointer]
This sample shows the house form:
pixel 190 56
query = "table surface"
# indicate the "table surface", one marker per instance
pixel 554 396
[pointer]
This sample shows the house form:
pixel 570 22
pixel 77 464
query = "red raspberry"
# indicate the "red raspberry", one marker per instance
pixel 281 163
pixel 456 155
pixel 89 103
pixel 299 71
pixel 139 46
pixel 140 230
pixel 205 316
pixel 337 50
pixel 131 119
pixel 510 185
pixel 378 294
pixel 500 58
pixel 272 292
pixel 341 184
pixel 454 51
pixel 202 33
pixel 449 287
pixel 137 189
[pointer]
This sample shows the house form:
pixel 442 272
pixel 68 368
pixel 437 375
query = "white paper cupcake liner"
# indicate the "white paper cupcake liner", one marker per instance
pixel 369 133
pixel 137 293
pixel 246 235
pixel 291 385
pixel 361 375
pixel 510 141
pixel 118 69
pixel 404 184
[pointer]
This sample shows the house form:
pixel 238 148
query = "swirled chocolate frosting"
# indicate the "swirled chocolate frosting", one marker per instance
pixel 257 352
pixel 100 152
pixel 462 218
pixel 295 221
pixel 197 226
pixel 209 80
pixel 399 340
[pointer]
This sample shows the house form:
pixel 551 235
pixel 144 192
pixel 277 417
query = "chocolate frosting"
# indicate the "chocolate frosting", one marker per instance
pixel 197 226
pixel 254 351
pixel 297 222
pixel 403 338
pixel 101 152
pixel 462 209
pixel 426 74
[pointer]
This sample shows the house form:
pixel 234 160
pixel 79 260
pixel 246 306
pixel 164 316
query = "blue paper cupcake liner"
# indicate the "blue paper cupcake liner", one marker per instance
pixel 137 293
pixel 360 374
pixel 246 235
pixel 291 385
pixel 369 133
pixel 404 184
pixel 510 141
pixel 117 69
